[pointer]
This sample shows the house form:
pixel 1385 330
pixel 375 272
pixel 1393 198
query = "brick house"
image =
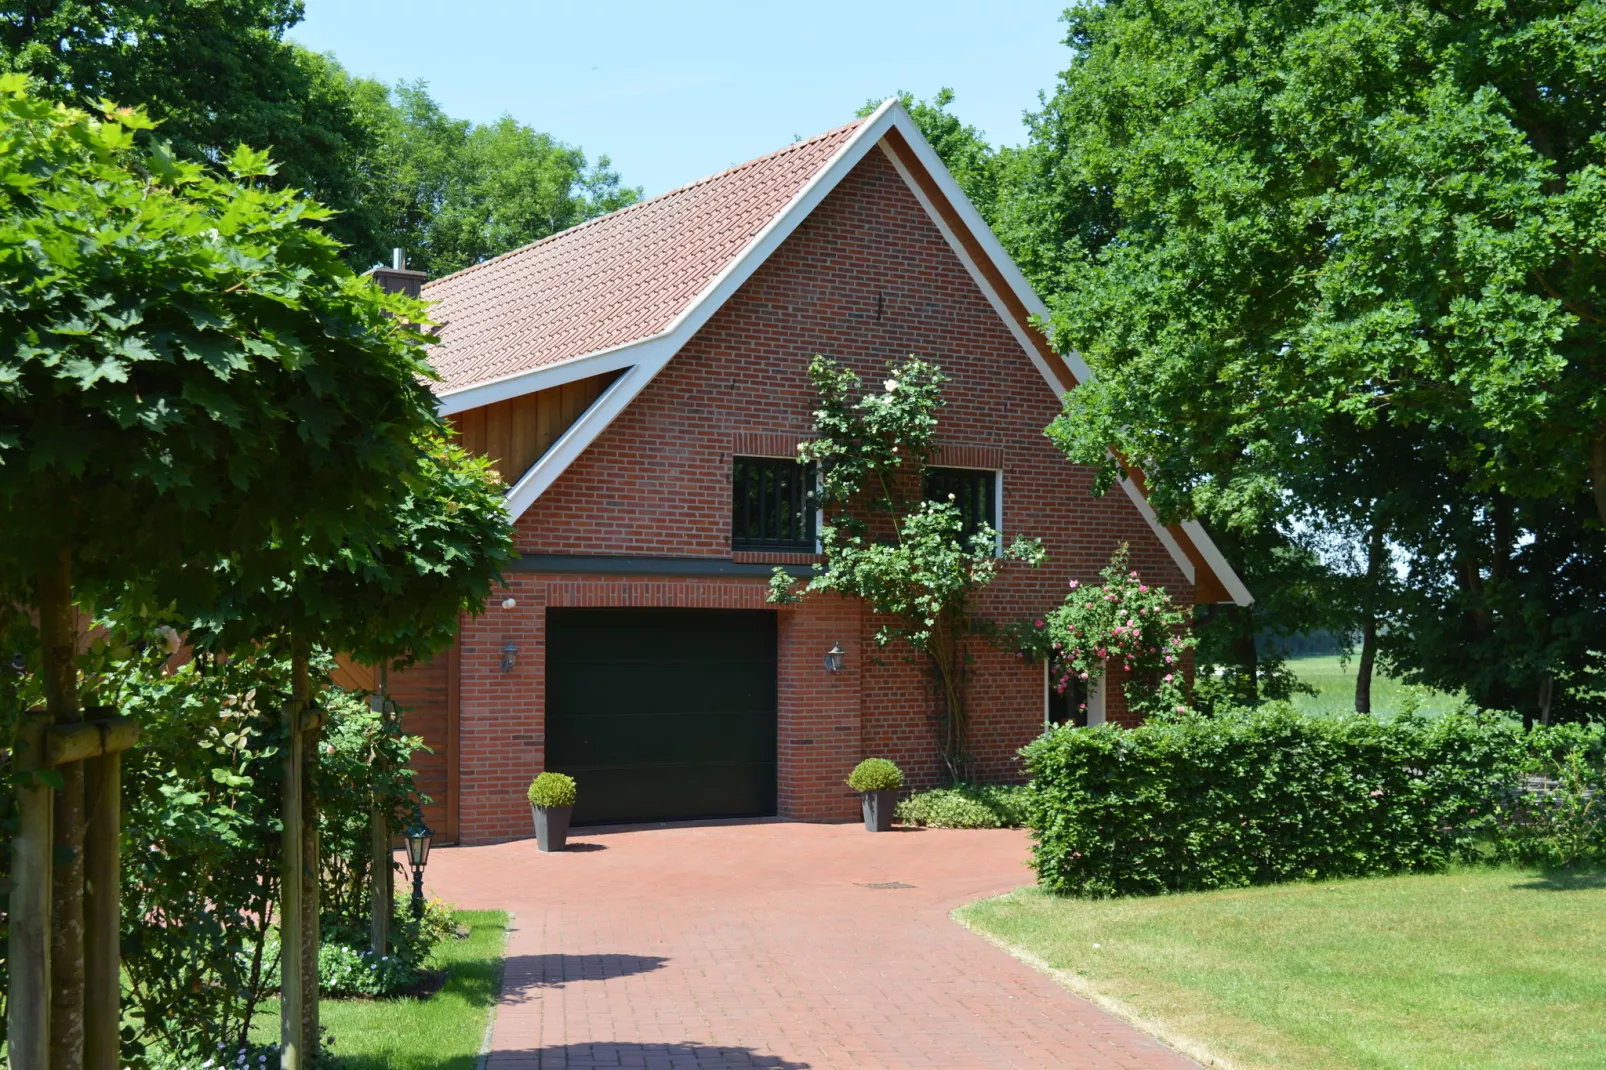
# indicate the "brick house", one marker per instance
pixel 640 383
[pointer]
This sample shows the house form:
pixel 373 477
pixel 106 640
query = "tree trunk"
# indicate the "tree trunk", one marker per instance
pixel 310 907
pixel 1597 473
pixel 1244 650
pixel 1374 573
pixel 292 1056
pixel 1363 670
pixel 59 646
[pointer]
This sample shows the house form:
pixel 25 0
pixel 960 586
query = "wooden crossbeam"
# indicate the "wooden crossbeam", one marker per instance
pixel 75 742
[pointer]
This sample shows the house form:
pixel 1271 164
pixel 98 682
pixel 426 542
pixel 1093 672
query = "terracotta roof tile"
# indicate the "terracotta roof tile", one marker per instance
pixel 615 279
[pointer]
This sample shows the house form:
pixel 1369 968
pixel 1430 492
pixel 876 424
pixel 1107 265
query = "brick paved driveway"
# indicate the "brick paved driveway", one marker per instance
pixel 773 945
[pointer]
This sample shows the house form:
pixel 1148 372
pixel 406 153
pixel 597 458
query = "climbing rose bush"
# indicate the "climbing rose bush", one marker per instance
pixel 1126 623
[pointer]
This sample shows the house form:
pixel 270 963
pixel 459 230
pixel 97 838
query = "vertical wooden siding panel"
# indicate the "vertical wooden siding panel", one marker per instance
pixel 422 694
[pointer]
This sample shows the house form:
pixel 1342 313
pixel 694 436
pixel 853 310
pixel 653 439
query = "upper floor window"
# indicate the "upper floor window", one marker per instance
pixel 772 505
pixel 974 491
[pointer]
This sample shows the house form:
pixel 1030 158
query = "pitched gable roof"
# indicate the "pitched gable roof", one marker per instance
pixel 614 280
pixel 627 290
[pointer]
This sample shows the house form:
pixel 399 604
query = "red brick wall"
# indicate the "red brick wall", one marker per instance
pixel 866 279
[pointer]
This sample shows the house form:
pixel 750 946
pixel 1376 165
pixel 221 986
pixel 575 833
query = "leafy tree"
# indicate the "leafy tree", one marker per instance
pixel 1275 226
pixel 907 557
pixel 187 371
pixel 216 75
pixel 1384 213
pixel 395 170
pixel 454 193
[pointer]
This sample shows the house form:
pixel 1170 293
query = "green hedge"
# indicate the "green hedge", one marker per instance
pixel 1267 795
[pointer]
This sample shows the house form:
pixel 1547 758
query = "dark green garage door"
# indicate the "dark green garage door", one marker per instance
pixel 662 714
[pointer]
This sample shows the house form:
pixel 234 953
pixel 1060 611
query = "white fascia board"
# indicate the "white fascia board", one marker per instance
pixel 649 360
pixel 1023 291
pixel 979 230
pixel 956 197
pixel 975 272
pixel 1169 541
pixel 1218 563
pixel 491 391
pixel 556 460
pixel 778 229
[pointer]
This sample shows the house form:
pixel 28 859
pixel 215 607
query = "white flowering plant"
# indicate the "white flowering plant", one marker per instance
pixel 910 559
pixel 1125 623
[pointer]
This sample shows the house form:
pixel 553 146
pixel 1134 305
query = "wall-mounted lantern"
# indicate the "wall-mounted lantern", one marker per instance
pixel 833 658
pixel 509 653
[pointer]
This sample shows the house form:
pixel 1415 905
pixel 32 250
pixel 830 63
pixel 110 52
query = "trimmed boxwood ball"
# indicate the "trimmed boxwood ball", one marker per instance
pixel 552 790
pixel 875 774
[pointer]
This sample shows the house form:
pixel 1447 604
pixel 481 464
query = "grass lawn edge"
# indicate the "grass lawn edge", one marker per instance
pixel 1080 986
pixel 496 996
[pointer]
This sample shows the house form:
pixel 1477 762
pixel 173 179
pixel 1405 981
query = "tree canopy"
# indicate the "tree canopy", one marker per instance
pixel 188 366
pixel 395 170
pixel 1337 270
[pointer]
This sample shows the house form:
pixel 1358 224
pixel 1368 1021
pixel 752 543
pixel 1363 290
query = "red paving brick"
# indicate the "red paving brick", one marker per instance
pixel 761 945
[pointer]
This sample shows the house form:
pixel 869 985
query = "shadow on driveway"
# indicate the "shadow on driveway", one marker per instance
pixel 525 974
pixel 614 1055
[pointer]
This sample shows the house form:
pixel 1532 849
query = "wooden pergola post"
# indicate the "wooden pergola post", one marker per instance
pixel 381 897
pixel 28 950
pixel 103 794
pixel 93 749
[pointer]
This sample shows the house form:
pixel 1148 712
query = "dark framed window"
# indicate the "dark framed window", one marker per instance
pixel 975 493
pixel 1064 707
pixel 772 505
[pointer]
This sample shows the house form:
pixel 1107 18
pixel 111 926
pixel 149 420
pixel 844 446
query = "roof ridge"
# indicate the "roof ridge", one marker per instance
pixel 618 212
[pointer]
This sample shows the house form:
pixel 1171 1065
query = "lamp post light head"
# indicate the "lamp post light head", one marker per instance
pixel 833 657
pixel 418 844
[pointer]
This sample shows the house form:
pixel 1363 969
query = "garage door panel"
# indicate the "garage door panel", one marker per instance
pixel 672 792
pixel 663 714
pixel 598 687
pixel 714 736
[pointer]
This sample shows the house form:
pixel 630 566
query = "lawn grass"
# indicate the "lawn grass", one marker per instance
pixel 1334 682
pixel 1493 967
pixel 443 1032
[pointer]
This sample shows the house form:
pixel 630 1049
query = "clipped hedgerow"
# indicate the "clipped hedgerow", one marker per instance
pixel 875 774
pixel 967 806
pixel 551 790
pixel 1261 796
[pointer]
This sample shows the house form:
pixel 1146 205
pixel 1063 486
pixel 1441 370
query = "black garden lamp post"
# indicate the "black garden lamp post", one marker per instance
pixel 417 856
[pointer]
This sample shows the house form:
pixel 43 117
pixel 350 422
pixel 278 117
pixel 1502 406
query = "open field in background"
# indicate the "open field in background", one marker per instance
pixel 1335 690
pixel 1475 968
pixel 443 1032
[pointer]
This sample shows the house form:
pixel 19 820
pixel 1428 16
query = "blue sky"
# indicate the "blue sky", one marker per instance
pixel 675 91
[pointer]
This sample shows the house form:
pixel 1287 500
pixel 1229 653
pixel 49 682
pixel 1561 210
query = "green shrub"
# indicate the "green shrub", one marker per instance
pixel 875 774
pixel 551 790
pixel 967 806
pixel 1259 796
pixel 1556 817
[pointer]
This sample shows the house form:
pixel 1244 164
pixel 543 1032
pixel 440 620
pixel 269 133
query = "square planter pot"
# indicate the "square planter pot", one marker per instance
pixel 878 808
pixel 551 826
